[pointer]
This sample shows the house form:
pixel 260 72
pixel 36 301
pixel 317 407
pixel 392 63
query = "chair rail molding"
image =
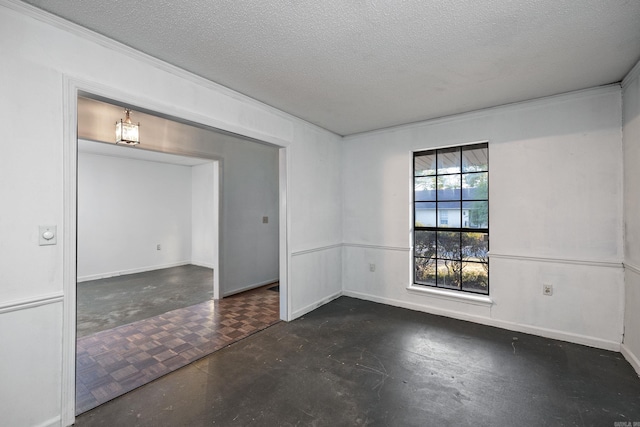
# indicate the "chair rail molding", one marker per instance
pixel 556 260
pixel 31 302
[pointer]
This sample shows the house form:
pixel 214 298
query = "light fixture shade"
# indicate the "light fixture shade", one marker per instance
pixel 127 132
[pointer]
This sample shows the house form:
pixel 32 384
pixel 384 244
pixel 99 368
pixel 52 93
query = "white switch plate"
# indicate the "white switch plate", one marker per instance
pixel 46 230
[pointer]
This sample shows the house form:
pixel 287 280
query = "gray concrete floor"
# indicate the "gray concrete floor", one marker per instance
pixel 115 301
pixel 354 362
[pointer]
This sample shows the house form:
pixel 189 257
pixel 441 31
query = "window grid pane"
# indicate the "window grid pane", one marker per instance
pixel 451 211
pixel 424 165
pixel 475 158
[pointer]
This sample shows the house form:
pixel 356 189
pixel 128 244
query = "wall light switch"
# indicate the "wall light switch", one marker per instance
pixel 48 235
pixel 265 219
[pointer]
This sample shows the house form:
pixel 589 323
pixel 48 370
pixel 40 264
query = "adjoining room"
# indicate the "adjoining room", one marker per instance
pixel 150 228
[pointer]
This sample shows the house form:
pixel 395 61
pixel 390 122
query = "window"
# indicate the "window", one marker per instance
pixel 444 217
pixel 451 213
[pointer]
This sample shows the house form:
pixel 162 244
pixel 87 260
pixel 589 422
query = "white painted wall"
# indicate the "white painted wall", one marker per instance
pixel 316 228
pixel 43 56
pixel 30 355
pixel 250 191
pixel 204 215
pixel 631 138
pixel 555 215
pixel 125 208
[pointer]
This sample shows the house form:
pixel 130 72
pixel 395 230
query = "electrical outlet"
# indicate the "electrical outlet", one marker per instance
pixel 158 247
pixel 372 267
pixel 547 289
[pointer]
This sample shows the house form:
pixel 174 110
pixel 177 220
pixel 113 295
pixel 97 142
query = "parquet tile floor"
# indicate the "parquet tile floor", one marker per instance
pixel 113 362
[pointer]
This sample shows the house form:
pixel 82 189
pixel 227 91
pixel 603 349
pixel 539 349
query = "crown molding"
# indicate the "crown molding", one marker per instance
pixel 485 112
pixel 104 41
pixel 631 75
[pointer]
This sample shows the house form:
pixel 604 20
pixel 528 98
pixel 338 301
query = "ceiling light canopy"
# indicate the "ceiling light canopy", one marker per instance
pixel 126 131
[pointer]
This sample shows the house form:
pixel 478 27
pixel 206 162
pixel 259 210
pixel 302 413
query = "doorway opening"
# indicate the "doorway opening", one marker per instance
pixel 141 341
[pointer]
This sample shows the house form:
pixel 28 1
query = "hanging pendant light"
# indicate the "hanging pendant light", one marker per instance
pixel 126 131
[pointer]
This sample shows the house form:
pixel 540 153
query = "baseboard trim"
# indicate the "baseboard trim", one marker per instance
pixel 130 271
pixel 511 326
pixel 249 287
pixel 203 264
pixel 631 358
pixel 32 302
pixel 51 422
pixel 313 306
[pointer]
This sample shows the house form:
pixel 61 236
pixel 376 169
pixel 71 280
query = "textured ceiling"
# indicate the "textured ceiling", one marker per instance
pixel 353 66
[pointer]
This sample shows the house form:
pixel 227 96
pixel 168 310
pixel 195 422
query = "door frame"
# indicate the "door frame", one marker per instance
pixel 72 88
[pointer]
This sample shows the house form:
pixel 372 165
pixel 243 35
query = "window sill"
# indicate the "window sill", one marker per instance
pixel 451 295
